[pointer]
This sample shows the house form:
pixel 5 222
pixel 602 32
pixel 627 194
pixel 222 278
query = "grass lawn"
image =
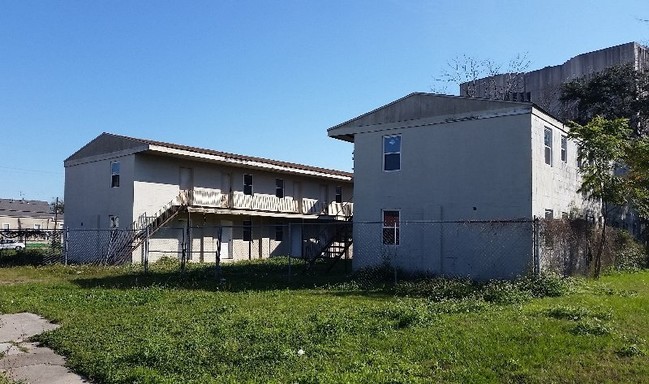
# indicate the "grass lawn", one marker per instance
pixel 121 326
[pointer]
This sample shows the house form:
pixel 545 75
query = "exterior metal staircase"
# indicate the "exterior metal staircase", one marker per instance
pixel 124 242
pixel 331 244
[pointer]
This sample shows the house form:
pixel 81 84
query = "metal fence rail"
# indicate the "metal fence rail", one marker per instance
pixel 466 248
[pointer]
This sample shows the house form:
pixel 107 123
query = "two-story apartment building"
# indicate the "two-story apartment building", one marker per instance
pixel 428 158
pixel 194 200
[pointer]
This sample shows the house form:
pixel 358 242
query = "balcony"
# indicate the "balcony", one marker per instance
pixel 264 203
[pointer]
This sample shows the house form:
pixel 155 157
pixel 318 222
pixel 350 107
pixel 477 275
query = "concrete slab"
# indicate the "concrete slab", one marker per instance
pixel 27 362
pixel 20 326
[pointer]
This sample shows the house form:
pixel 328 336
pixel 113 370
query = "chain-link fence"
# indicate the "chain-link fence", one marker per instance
pixel 474 249
pixel 31 246
pixel 471 248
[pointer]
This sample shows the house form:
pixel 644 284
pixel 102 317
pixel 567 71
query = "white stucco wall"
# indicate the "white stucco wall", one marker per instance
pixel 89 197
pixel 465 170
pixel 554 187
pixel 90 201
pixel 158 178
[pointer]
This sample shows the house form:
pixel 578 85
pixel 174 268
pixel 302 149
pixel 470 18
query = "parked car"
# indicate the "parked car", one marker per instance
pixel 11 244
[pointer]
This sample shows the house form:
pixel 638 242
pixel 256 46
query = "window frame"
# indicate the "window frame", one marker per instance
pixel 248 189
pixel 548 148
pixel 279 189
pixel 114 174
pixel 339 194
pixel 392 153
pixel 395 239
pixel 564 148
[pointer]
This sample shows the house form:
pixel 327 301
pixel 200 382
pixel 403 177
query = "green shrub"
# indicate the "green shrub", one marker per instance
pixel 545 285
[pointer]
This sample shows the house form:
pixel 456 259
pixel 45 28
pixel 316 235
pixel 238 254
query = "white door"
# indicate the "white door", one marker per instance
pixel 226 239
pixel 186 179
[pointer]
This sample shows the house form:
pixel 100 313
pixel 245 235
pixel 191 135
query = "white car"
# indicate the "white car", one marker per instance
pixel 11 244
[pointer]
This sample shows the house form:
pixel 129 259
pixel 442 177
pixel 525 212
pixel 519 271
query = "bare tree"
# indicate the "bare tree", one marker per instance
pixel 485 77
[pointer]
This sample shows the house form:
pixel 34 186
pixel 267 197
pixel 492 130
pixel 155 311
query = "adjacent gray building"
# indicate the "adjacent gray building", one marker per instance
pixel 543 86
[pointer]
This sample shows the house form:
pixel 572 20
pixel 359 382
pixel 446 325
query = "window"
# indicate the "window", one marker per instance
pixel 279 188
pixel 564 148
pixel 339 194
pixel 391 227
pixel 114 221
pixel 37 227
pixel 247 230
pixel 392 153
pixel 247 185
pixel 547 140
pixel 5 226
pixel 549 214
pixel 279 233
pixel 114 174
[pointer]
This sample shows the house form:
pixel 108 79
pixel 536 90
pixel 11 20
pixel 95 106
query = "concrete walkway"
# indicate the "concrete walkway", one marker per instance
pixel 26 362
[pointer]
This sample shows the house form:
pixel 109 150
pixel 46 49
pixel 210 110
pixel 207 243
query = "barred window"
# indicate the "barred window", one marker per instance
pixel 391 227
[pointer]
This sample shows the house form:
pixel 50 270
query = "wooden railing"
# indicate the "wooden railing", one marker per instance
pixel 265 203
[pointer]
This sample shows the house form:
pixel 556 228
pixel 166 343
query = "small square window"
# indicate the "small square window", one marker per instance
pixel 37 227
pixel 114 221
pixel 5 226
pixel 549 214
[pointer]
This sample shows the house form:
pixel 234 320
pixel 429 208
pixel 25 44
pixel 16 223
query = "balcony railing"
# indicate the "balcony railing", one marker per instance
pixel 264 203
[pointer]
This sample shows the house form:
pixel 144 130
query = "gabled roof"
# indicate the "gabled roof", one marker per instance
pixel 108 143
pixel 421 105
pixel 25 208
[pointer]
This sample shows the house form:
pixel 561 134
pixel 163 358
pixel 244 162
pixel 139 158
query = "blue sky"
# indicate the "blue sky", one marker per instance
pixel 260 78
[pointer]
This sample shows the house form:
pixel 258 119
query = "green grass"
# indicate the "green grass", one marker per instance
pixel 121 326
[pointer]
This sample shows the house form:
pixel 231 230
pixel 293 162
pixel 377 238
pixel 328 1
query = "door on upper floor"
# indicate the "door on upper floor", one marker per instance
pixel 186 179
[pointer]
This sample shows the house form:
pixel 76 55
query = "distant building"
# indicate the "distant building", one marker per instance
pixel 543 86
pixel 427 158
pixel 28 214
pixel 196 201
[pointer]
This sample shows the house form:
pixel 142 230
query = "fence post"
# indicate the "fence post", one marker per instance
pixel 537 246
pixel 146 250
pixel 66 245
pixel 219 237
pixel 290 248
